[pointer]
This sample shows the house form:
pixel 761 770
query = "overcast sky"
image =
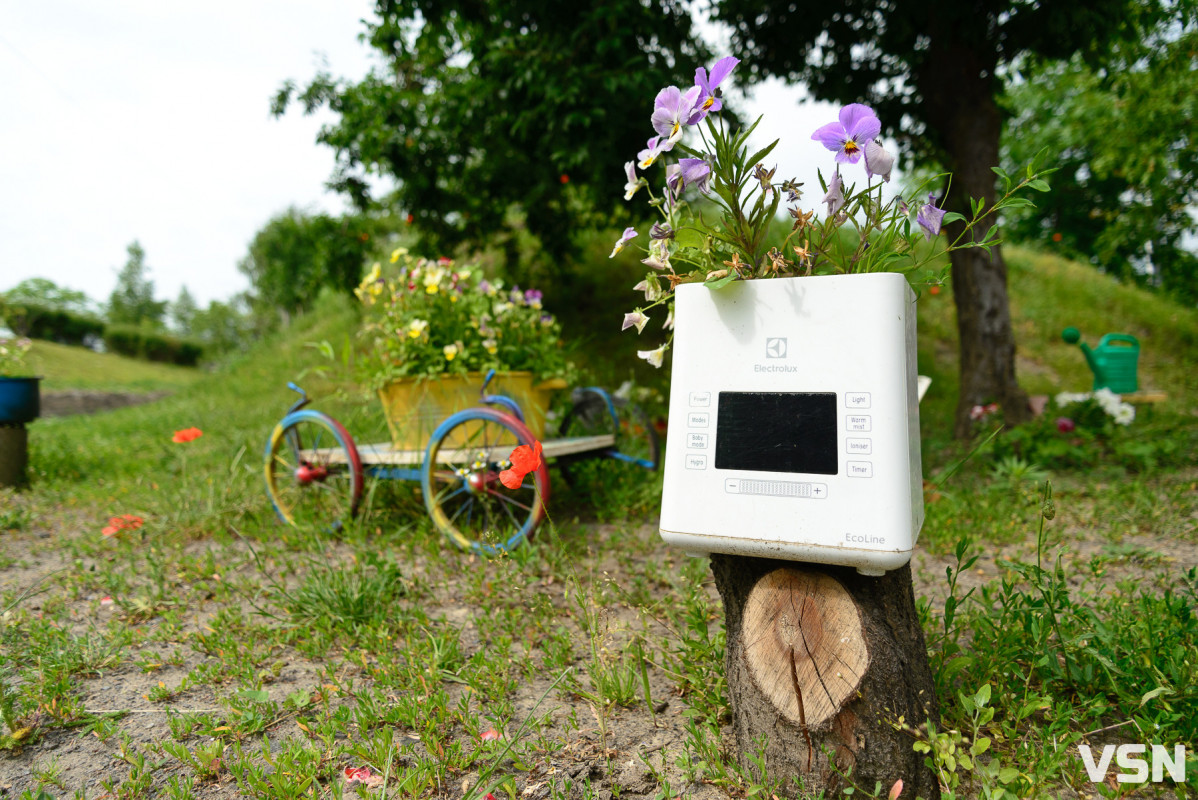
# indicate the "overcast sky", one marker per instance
pixel 150 121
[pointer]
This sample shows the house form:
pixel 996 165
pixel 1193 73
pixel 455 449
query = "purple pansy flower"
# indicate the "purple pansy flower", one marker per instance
pixel 878 161
pixel 533 298
pixel 656 146
pixel 835 196
pixel 628 235
pixel 930 217
pixel 672 111
pixel 849 136
pixel 708 102
pixel 691 172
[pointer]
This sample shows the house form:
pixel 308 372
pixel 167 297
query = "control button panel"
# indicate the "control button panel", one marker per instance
pixel 860 447
pixel 814 491
pixel 856 399
pixel 858 423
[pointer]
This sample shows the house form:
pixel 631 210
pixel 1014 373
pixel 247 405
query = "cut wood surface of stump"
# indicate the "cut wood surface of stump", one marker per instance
pixel 822 665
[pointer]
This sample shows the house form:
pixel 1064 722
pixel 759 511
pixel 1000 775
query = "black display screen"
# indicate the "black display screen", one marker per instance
pixel 777 432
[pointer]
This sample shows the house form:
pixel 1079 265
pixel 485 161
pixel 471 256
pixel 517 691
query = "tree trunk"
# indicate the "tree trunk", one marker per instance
pixel 958 89
pixel 823 665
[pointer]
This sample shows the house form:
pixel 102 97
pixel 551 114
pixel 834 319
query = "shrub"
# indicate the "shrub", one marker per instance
pixel 138 343
pixel 51 324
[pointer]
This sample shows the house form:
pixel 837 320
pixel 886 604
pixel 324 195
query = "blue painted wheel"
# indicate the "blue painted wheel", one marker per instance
pixel 637 447
pixel 461 485
pixel 313 470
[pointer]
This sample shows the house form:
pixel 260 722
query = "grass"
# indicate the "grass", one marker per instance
pixel 74 368
pixel 214 652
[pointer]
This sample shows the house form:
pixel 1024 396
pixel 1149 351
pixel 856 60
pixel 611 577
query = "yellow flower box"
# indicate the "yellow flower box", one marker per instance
pixel 414 407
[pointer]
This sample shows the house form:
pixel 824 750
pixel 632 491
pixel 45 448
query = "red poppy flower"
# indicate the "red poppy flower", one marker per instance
pixel 490 735
pixel 524 460
pixel 187 435
pixel 934 290
pixel 1056 237
pixel 124 522
pixel 565 178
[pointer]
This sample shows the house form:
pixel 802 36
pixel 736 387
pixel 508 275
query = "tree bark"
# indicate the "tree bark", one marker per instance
pixel 957 84
pixel 823 666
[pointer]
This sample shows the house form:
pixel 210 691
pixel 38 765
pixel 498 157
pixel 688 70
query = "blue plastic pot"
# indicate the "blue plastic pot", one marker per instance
pixel 20 401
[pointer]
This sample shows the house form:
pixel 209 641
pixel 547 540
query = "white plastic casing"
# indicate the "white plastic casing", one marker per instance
pixel 851 335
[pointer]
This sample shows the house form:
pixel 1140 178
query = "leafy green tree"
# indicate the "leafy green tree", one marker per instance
pixel 48 294
pixel 182 312
pixel 481 108
pixel 1128 156
pixel 132 301
pixel 934 69
pixel 297 253
pixel 223 326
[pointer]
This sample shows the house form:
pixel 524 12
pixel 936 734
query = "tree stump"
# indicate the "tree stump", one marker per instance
pixel 823 662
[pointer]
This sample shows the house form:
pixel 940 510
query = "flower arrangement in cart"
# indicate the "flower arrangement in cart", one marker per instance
pixel 723 238
pixel 437 317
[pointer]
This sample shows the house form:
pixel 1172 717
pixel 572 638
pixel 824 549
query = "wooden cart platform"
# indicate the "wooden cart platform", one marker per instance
pixel 385 454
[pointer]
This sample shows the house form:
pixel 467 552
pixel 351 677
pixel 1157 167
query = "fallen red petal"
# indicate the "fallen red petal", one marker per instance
pixel 490 735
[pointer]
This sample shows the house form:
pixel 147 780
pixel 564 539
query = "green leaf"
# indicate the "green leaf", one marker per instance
pixel 255 695
pixel 1157 692
pixel 762 153
pixel 983 695
pixel 980 746
pixel 951 216
pixel 720 283
pixel 1039 185
pixel 1008 774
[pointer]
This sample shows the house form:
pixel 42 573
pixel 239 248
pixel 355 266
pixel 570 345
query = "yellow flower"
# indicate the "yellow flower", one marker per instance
pixel 397 253
pixel 450 351
pixel 416 328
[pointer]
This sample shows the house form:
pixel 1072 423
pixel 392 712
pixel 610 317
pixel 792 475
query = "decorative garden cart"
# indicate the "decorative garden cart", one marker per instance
pixel 315 471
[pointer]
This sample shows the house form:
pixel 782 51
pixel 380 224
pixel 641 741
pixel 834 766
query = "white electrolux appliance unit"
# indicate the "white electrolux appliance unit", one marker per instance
pixel 794 421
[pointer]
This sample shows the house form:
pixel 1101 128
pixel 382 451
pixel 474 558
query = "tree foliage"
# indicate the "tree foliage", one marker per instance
pixel 297 254
pixel 1126 146
pixel 48 294
pixel 934 69
pixel 132 301
pixel 479 108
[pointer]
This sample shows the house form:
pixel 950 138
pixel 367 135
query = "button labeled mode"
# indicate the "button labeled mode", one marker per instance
pixel 698 419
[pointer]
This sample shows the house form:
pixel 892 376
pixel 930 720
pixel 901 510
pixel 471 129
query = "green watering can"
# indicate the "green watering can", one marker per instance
pixel 1113 361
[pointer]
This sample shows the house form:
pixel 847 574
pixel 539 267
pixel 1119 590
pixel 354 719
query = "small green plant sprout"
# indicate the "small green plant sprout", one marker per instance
pixel 205 759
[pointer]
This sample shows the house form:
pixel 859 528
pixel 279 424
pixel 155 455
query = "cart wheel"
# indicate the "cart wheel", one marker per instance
pixel 313 471
pixel 460 482
pixel 637 446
